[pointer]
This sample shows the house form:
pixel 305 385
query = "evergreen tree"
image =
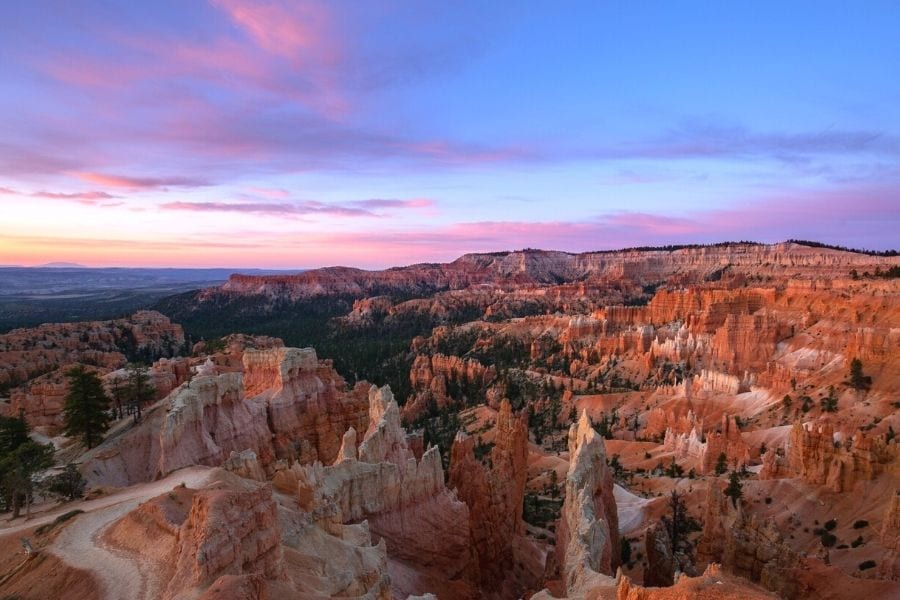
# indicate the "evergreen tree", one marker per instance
pixel 13 433
pixel 87 407
pixel 858 380
pixel 117 391
pixel 139 390
pixel 721 464
pixel 734 489
pixel 69 484
pixel 678 522
pixel 17 469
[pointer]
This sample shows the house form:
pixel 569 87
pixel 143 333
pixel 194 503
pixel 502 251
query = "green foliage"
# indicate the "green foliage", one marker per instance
pixel 17 469
pixel 891 273
pixel 867 564
pixel 86 408
pixel 678 523
pixel 734 490
pixel 377 352
pixel 482 449
pixel 544 402
pixel 625 550
pixel 828 404
pixel 138 389
pixel 60 519
pixel 812 244
pixel 457 342
pixel 553 486
pixel 616 466
pixel 806 403
pixel 440 427
pixel 68 485
pixel 539 511
pixel 505 352
pixel 214 345
pixel 13 433
pixel 674 470
pixel 830 524
pixel 606 423
pixel 858 380
pixel 721 464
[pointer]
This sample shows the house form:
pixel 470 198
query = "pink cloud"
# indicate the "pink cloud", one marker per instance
pixel 270 208
pixel 130 182
pixel 297 30
pixel 857 217
pixel 72 195
pixel 357 208
pixel 270 192
pixel 382 203
pixel 89 198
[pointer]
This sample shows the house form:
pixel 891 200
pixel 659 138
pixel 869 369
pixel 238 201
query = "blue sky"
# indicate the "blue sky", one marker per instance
pixel 297 134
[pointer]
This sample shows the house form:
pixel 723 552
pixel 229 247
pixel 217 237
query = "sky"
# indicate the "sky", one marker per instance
pixel 297 134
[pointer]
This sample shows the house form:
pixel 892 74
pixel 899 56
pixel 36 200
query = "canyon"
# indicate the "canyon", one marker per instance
pixel 507 425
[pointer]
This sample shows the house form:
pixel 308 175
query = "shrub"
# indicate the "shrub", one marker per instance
pixel 830 524
pixel 866 564
pixel 60 519
pixel 860 524
pixel 625 550
pixel 69 484
pixel 721 464
pixel 858 380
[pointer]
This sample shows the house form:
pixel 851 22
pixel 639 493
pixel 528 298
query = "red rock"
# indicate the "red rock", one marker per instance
pixel 494 495
pixel 227 532
pixel 36 358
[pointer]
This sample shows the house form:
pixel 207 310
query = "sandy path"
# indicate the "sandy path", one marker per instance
pixel 80 543
pixel 191 476
pixel 81 546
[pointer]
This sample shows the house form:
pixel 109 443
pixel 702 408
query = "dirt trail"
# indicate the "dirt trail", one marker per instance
pixel 191 476
pixel 81 545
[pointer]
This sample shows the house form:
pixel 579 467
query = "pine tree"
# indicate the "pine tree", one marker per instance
pixel 139 390
pixel 858 380
pixel 13 433
pixel 678 522
pixel 734 489
pixel 17 469
pixel 87 407
pixel 68 485
pixel 721 463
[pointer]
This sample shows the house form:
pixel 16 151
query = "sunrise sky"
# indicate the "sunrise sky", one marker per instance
pixel 243 133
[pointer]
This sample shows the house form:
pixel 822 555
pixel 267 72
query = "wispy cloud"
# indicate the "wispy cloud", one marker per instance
pixel 134 183
pixel 358 208
pixel 90 198
pixel 694 139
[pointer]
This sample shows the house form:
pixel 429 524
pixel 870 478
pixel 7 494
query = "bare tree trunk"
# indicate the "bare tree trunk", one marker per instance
pixel 16 504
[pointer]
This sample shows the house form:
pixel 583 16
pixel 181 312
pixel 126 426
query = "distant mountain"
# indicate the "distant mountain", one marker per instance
pixel 60 265
pixel 65 292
